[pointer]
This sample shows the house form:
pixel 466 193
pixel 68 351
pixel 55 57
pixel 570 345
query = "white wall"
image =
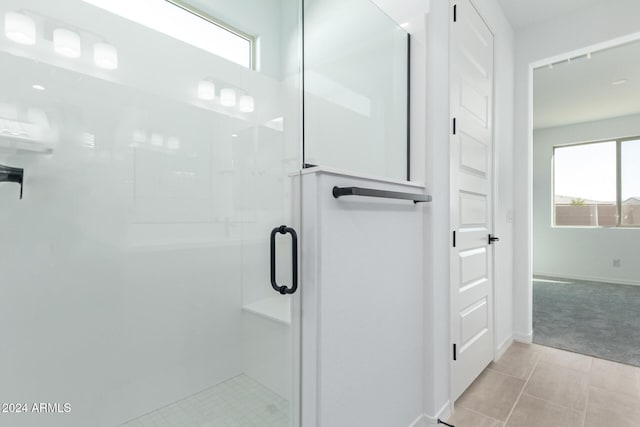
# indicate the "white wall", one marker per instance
pixel 438 232
pixel 362 305
pixel 576 252
pixel 595 24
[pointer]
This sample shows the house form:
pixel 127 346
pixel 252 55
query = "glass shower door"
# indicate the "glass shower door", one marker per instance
pixel 153 143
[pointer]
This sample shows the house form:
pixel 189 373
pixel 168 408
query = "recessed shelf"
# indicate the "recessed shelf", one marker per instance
pixel 276 308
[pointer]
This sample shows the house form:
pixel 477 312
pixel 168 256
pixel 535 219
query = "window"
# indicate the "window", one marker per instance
pixel 630 182
pixel 597 184
pixel 185 23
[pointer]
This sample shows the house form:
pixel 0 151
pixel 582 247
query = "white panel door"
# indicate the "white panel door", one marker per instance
pixel 471 195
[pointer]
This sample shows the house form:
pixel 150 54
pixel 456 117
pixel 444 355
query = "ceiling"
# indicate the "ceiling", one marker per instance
pixel 522 13
pixel 582 91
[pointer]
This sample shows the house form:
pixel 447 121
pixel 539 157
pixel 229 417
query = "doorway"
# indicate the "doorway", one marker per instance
pixel 586 147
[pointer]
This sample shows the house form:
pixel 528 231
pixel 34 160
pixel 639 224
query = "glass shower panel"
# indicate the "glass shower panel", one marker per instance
pixel 356 62
pixel 155 140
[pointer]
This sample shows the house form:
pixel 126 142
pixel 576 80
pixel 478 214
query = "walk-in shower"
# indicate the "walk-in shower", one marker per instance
pixel 154 143
pixel 156 140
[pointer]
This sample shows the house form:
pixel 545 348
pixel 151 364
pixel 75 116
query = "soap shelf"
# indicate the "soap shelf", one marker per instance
pixel 276 308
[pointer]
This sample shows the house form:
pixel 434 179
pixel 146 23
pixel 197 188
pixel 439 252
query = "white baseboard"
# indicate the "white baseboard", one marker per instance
pixel 444 413
pixel 523 338
pixel 421 421
pixel 503 348
pixel 426 420
pixel 590 278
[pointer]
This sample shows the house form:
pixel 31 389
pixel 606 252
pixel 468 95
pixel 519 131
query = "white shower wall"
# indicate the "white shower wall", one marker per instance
pixel 125 268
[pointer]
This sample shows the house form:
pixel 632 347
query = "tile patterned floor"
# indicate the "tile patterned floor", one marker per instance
pixel 536 386
pixel 238 402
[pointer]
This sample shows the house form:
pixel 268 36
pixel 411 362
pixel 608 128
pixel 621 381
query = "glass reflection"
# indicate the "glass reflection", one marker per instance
pixel 356 88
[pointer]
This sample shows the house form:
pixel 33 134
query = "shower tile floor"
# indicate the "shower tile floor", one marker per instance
pixel 237 402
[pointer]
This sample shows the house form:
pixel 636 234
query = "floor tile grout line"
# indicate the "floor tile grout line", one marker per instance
pixel 561 405
pixel 569 368
pixel 586 407
pixel 244 385
pixel 586 403
pixel 480 413
pixel 552 403
pixel 504 373
pixel 539 360
pixel 617 391
pixel 540 353
pixel 524 386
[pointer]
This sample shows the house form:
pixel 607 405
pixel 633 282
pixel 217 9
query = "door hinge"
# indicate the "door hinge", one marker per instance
pixel 454 125
pixel 455 13
pixel 454 239
pixel 455 352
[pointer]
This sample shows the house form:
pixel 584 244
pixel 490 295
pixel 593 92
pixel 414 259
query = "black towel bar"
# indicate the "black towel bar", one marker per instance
pixel 370 192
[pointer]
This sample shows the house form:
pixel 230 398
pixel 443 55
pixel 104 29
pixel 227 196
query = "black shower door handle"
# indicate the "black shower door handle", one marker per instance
pixel 283 229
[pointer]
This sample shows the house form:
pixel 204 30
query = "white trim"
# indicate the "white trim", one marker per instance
pixel 501 350
pixel 452 339
pixel 451 363
pixel 528 242
pixel 444 414
pixel 350 174
pixel 494 185
pixel 421 421
pixel 526 338
pixel 619 41
pixel 425 420
pixel 591 279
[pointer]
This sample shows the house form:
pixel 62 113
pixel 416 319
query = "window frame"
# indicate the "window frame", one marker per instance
pixel 233 30
pixel 619 142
